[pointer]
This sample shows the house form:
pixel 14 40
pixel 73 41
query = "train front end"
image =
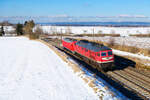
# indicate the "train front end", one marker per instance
pixel 106 59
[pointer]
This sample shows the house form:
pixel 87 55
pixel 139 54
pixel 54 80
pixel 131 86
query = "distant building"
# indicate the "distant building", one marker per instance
pixel 9 31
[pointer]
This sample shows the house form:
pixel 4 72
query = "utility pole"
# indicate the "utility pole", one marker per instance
pixel 60 44
pixel 93 33
pixel 61 34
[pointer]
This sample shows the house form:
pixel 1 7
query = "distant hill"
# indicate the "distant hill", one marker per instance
pixel 81 20
pixel 109 24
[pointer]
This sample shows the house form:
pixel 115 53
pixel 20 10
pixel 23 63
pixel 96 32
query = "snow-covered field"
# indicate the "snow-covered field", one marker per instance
pixel 29 70
pixel 123 31
pixel 129 41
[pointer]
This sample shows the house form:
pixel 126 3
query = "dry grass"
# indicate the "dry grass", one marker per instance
pixel 74 67
pixel 58 34
pixel 98 35
pixel 111 42
pixel 86 80
pixel 33 36
pixel 139 64
pixel 130 49
pixel 141 35
pixel 146 51
pixel 91 84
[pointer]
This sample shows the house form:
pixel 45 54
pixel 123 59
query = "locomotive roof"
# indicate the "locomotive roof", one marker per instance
pixel 69 39
pixel 92 46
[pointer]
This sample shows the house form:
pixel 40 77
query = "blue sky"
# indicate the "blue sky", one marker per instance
pixel 74 7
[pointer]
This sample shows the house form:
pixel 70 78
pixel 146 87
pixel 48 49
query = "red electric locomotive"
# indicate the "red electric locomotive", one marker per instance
pixel 97 54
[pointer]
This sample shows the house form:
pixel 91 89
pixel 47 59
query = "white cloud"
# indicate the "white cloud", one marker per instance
pixel 133 16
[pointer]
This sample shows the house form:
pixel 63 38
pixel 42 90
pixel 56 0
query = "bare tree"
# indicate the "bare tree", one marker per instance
pixel 2 31
pixel 53 29
pixel 28 27
pixel 38 30
pixel 68 30
pixel 111 42
pixel 19 29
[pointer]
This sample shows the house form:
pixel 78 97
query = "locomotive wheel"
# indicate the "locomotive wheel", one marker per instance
pixel 99 68
pixel 110 66
pixel 73 52
pixel 106 66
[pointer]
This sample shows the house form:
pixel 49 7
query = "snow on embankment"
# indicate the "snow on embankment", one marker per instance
pixel 123 53
pixel 29 70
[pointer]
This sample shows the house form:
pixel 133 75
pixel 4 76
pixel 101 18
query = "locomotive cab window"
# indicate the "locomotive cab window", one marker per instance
pixel 98 54
pixel 109 53
pixel 103 54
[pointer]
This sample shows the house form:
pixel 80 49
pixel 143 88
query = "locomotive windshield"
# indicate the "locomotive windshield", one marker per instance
pixel 109 53
pixel 69 40
pixel 103 54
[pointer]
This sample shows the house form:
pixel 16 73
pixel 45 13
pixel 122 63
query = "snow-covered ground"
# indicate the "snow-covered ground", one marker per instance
pixel 29 70
pixel 123 53
pixel 123 31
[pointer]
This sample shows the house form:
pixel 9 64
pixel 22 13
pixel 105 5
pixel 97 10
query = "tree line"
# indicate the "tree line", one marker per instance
pixel 24 29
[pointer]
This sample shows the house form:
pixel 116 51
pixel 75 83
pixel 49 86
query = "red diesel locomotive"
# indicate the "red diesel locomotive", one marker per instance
pixel 69 44
pixel 96 54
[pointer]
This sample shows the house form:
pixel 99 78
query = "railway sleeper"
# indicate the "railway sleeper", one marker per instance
pixel 126 83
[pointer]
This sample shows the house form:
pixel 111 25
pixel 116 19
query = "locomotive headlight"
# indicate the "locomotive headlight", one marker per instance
pixel 107 58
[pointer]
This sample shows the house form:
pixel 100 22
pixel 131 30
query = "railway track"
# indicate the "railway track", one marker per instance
pixel 129 78
pixel 132 82
pixel 141 72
